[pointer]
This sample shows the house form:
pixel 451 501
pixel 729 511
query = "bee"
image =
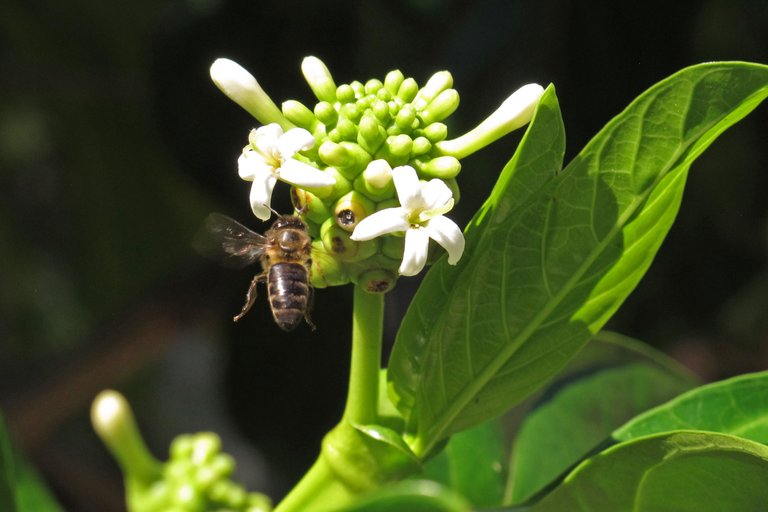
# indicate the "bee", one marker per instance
pixel 285 257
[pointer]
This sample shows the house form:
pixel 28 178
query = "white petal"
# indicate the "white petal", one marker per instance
pixel 293 141
pixel 517 110
pixel 251 164
pixel 446 233
pixel 266 138
pixel 233 79
pixel 436 194
pixel 304 175
pixel 408 187
pixel 415 252
pixel 380 223
pixel 261 195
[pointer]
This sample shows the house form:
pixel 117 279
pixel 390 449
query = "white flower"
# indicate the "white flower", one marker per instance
pixel 269 158
pixel 516 111
pixel 420 216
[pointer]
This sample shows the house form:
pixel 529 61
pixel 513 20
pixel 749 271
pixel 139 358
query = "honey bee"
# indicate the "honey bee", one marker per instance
pixel 284 254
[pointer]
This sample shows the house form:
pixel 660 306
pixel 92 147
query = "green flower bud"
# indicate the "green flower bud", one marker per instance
pixel 350 111
pixel 363 104
pixel 383 95
pixel 258 503
pixel 204 477
pixel 370 133
pixel 436 84
pixel 189 497
pixel 223 465
pixel 360 159
pixel 436 132
pixel 405 118
pixel 299 114
pixel 335 154
pixel 351 209
pixel 337 242
pixel 310 205
pixel 393 247
pixel 319 79
pixel 373 85
pixel 393 80
pixel 381 111
pixel 326 270
pixel 442 167
pixel 377 280
pixel 347 130
pixel 421 146
pixel 204 446
pixel 326 114
pixel 345 93
pixel 236 497
pixel 376 181
pixel 408 90
pixel 441 107
pixel 396 149
pixel 359 89
pixel 181 447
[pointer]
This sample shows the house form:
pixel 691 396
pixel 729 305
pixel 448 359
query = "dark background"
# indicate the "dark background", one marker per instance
pixel 114 145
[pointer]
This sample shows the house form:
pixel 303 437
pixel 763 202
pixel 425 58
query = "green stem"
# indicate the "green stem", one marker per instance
pixel 367 328
pixel 321 488
pixel 318 490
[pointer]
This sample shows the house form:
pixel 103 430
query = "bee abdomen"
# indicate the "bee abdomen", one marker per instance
pixel 288 289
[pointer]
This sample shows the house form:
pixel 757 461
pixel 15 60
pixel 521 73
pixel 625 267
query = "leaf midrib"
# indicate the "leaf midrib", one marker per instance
pixel 487 374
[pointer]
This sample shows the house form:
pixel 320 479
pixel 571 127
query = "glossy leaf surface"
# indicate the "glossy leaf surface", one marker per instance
pixel 683 471
pixel 552 254
pixel 737 406
pixel 610 381
pixel 473 463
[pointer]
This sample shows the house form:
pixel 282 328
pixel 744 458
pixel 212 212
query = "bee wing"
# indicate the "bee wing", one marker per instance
pixel 226 240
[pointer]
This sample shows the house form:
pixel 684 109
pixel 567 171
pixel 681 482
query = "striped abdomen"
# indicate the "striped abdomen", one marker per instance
pixel 288 289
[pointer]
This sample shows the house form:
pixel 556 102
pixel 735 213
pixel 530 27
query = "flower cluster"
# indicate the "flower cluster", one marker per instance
pixel 196 478
pixel 372 169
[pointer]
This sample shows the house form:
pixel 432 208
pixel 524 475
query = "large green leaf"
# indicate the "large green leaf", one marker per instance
pixel 682 471
pixel 551 256
pixel 737 406
pixel 611 380
pixel 411 496
pixel 473 464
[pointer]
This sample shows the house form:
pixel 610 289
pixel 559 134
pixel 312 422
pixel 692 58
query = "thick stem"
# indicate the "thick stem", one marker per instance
pixel 321 488
pixel 318 490
pixel 367 328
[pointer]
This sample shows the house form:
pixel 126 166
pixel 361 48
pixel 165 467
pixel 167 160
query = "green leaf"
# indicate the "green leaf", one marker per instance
pixel 21 489
pixel 473 464
pixel 7 471
pixel 612 380
pixel 552 256
pixel 413 496
pixel 737 406
pixel 32 494
pixel 682 471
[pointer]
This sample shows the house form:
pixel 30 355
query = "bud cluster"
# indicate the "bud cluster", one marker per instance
pixel 363 131
pixel 197 478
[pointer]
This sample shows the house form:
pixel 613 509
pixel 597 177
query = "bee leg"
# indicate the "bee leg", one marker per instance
pixel 250 296
pixel 310 303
